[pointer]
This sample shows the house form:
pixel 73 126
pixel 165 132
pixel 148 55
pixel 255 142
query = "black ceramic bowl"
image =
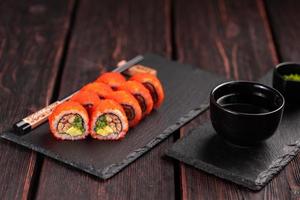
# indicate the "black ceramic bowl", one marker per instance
pixel 290 89
pixel 245 113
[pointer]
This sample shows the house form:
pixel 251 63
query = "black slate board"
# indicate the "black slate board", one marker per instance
pixel 251 167
pixel 186 91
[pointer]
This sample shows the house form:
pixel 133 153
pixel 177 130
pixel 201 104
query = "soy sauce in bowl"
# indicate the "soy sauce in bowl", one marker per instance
pixel 245 108
pixel 243 104
pixel 245 113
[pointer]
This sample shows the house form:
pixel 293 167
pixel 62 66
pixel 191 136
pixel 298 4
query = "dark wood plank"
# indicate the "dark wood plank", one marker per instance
pixel 232 38
pixel 284 18
pixel 32 37
pixel 114 30
pixel 226 37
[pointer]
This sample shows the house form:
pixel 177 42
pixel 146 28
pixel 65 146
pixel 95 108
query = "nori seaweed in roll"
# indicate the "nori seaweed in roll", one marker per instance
pixel 108 121
pixel 141 93
pixel 153 85
pixel 130 105
pixel 69 121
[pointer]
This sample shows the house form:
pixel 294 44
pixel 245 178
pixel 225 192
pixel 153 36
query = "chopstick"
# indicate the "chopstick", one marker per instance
pixel 34 120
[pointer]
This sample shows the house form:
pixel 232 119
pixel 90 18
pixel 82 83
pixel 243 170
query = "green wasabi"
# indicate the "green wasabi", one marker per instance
pixel 292 77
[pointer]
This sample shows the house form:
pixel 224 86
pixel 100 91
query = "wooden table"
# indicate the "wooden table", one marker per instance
pixel 49 48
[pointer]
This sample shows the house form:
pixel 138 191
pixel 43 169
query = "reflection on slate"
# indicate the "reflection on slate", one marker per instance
pixel 251 167
pixel 187 90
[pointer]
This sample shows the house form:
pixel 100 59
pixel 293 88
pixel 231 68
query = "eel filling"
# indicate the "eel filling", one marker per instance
pixel 71 124
pixel 107 124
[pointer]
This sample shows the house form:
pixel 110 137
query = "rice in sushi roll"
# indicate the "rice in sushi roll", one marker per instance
pixel 113 79
pixel 69 121
pixel 108 121
pixel 141 93
pixel 101 89
pixel 154 86
pixel 130 105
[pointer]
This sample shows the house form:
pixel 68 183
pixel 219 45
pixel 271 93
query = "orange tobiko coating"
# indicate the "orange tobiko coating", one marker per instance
pixel 154 86
pixel 130 105
pixel 113 79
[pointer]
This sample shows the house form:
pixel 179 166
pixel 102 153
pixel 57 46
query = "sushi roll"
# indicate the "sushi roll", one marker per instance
pixel 130 105
pixel 101 89
pixel 108 121
pixel 69 121
pixel 153 85
pixel 113 79
pixel 86 98
pixel 141 94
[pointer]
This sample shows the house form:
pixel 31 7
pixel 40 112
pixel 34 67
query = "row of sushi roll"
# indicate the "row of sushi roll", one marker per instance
pixel 107 107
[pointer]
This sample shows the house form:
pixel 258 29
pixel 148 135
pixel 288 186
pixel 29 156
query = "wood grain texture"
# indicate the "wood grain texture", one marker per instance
pixel 232 38
pixel 32 37
pixel 103 34
pixel 227 37
pixel 284 18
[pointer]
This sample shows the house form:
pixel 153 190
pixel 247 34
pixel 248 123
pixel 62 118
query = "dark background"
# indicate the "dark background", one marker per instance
pixel 49 48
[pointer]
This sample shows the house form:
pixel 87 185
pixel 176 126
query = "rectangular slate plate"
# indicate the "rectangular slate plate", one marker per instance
pixel 186 90
pixel 250 167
